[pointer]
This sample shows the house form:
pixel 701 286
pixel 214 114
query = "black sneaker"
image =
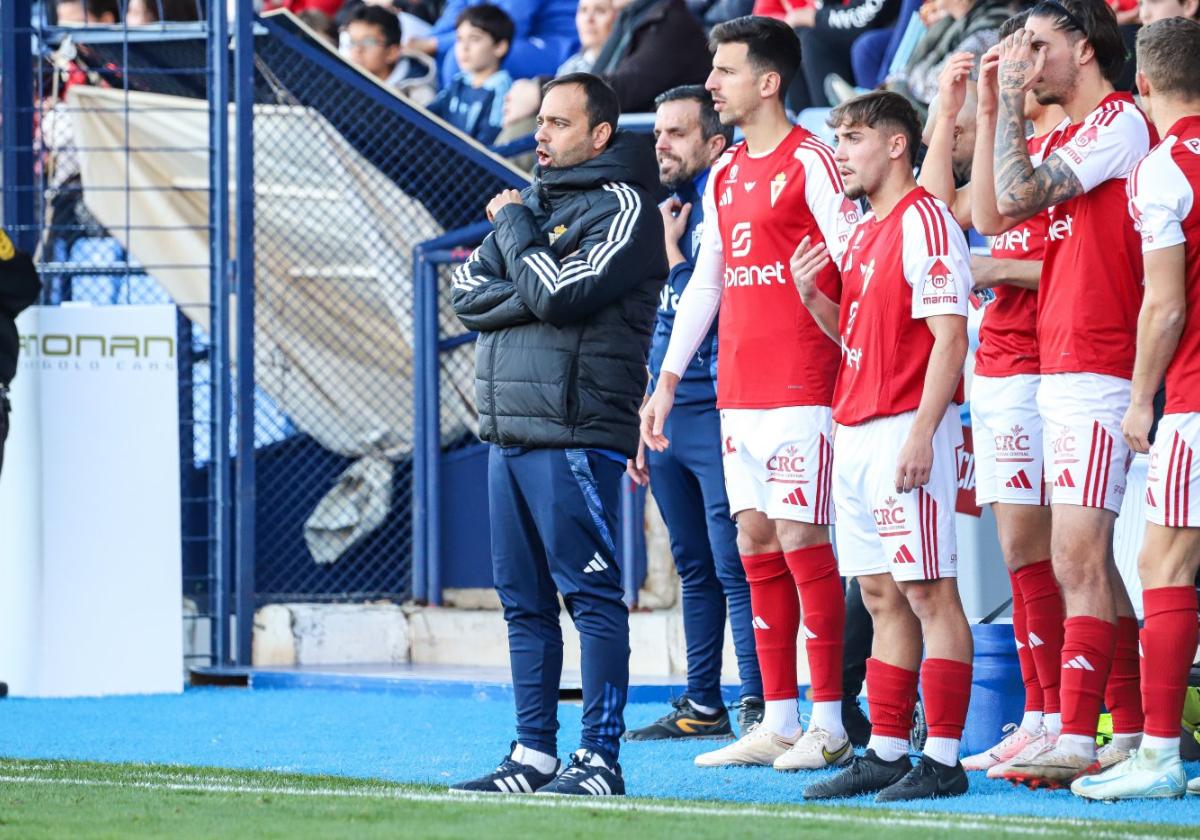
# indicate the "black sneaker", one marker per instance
pixel 587 775
pixel 684 723
pixel 929 779
pixel 856 722
pixel 510 777
pixel 867 773
pixel 750 713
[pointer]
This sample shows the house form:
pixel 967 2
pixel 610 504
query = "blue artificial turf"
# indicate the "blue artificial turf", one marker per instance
pixel 436 740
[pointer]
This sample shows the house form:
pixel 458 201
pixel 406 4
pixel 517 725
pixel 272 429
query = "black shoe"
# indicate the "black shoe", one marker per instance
pixel 920 730
pixel 857 724
pixel 867 773
pixel 750 713
pixel 929 779
pixel 588 775
pixel 510 777
pixel 684 723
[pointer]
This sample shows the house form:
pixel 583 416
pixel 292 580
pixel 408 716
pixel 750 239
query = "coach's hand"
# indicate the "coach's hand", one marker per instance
pixel 501 200
pixel 654 412
pixel 914 464
pixel 806 263
pixel 637 469
pixel 1136 426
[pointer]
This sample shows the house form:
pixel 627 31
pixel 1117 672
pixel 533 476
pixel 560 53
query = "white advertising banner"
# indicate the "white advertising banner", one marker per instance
pixel 90 552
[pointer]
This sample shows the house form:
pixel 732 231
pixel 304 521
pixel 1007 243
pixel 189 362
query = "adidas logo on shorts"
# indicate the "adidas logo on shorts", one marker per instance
pixel 1020 481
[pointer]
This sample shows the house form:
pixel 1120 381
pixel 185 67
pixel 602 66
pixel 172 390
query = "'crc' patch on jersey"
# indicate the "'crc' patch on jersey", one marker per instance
pixel 940 285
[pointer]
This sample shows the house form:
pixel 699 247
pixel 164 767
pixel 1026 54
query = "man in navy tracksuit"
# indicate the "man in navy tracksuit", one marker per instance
pixel 688 480
pixel 563 293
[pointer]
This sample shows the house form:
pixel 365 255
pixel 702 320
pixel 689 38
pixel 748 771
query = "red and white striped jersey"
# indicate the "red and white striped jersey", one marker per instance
pixel 1162 202
pixel 772 353
pixel 1091 286
pixel 885 342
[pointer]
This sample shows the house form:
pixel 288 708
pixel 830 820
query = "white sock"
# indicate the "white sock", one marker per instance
pixel 1053 723
pixel 1083 746
pixel 704 710
pixel 596 760
pixel 782 717
pixel 888 749
pixel 539 761
pixel 1151 742
pixel 1032 722
pixel 827 714
pixel 942 750
pixel 1127 742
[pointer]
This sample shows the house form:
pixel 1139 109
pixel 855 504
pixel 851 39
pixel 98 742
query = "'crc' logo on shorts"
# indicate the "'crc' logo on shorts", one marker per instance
pixel 1013 446
pixel 890 520
pixel 1064 447
pixel 786 466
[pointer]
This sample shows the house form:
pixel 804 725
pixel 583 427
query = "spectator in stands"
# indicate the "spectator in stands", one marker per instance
pixel 970 26
pixel 19 287
pixel 322 24
pixel 544 36
pixel 714 12
pixel 1152 10
pixel 147 12
pixel 474 100
pixel 371 40
pixel 87 12
pixel 826 35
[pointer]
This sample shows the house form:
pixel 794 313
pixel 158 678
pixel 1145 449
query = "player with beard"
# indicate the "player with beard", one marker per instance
pixel 1070 53
pixel 775 378
pixel 687 480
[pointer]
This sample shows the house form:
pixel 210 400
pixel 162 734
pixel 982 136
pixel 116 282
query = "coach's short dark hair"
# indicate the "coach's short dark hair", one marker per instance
pixel 491 19
pixel 1168 54
pixel 771 45
pixel 1094 20
pixel 1013 24
pixel 710 120
pixel 387 21
pixel 602 104
pixel 884 110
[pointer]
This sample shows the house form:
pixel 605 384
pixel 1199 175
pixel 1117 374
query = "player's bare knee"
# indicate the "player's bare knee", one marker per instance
pixel 794 536
pixel 755 534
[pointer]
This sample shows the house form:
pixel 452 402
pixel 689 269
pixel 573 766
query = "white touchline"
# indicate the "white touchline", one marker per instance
pixel 157 780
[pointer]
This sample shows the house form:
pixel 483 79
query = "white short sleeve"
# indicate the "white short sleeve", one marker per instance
pixel 937 262
pixel 1109 145
pixel 834 213
pixel 1160 198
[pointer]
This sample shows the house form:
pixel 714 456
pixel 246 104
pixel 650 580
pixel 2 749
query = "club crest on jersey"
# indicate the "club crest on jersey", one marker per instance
pixel 697 235
pixel 556 233
pixel 786 466
pixel 777 185
pixel 890 520
pixel 940 285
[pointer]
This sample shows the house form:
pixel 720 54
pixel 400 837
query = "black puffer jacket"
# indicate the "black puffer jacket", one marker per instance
pixel 563 293
pixel 19 287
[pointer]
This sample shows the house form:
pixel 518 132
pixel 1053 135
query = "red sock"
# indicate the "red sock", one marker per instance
pixel 1168 646
pixel 1088 645
pixel 946 688
pixel 776 622
pixel 1043 627
pixel 823 603
pixel 891 696
pixel 1033 689
pixel 1123 693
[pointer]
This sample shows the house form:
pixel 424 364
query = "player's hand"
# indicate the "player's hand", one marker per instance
pixel 654 414
pixel 984 274
pixel 637 469
pixel 1136 426
pixel 1020 64
pixel 987 88
pixel 675 218
pixel 952 84
pixel 914 464
pixel 501 200
pixel 806 263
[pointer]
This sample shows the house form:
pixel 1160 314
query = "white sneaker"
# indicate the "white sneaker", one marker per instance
pixel 1193 787
pixel 1146 774
pixel 1110 756
pixel 1041 742
pixel 1015 740
pixel 815 750
pixel 757 748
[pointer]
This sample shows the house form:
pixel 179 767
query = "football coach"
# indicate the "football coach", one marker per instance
pixel 563 294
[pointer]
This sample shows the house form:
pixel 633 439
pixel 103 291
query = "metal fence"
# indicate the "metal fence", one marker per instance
pixel 313 406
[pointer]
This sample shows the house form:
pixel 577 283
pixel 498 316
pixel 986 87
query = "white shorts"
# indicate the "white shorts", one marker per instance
pixel 778 461
pixel 1086 455
pixel 879 530
pixel 1173 481
pixel 1007 432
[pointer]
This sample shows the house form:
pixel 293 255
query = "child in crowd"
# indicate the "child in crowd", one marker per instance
pixel 473 101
